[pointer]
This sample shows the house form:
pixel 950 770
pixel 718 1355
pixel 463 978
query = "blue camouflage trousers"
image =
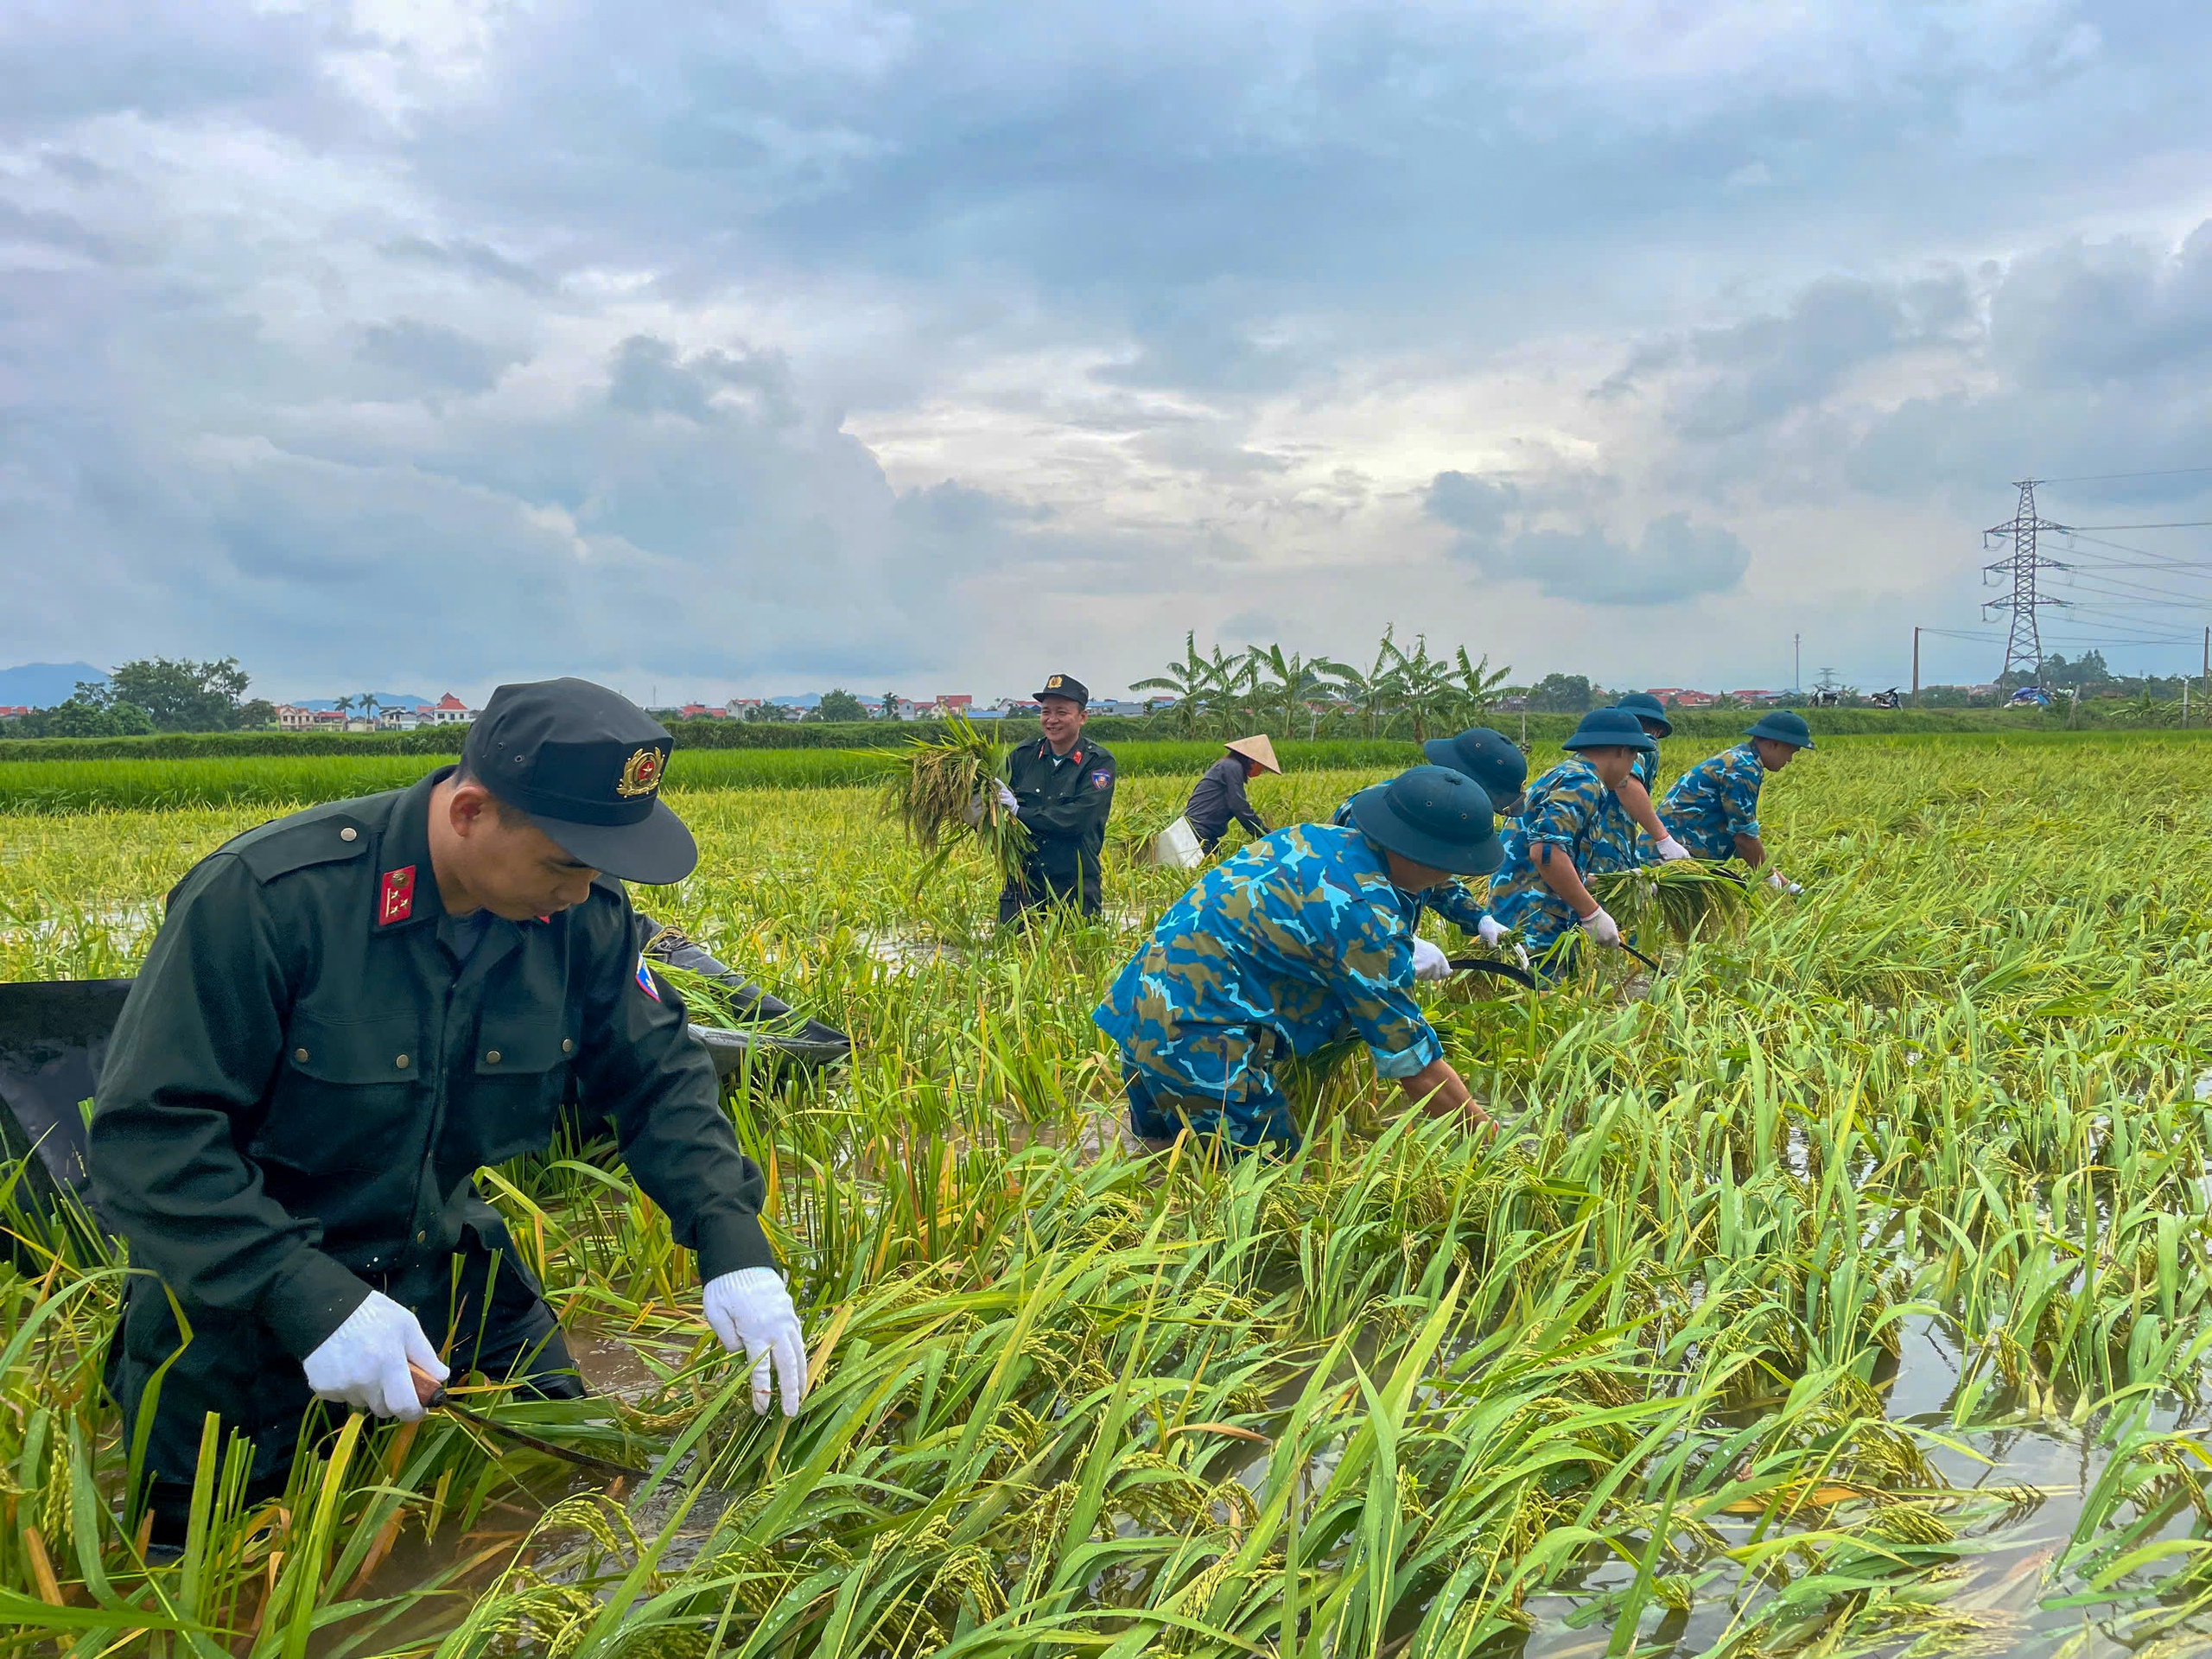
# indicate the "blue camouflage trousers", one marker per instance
pixel 1215 1080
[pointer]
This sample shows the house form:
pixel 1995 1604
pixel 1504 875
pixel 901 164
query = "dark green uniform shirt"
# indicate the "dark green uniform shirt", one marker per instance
pixel 304 1081
pixel 1063 800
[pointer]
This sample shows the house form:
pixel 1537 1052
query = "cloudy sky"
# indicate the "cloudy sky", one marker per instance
pixel 744 348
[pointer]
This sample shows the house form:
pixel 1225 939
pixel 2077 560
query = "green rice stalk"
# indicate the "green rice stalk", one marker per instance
pixel 1131 829
pixel 939 782
pixel 1680 901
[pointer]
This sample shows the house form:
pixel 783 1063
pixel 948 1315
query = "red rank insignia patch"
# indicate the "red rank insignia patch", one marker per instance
pixel 397 903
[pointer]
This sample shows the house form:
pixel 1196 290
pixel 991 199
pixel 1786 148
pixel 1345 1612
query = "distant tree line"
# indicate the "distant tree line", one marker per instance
pixel 140 698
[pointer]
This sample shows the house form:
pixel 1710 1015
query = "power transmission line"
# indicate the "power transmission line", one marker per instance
pixel 2023 648
pixel 2102 477
pixel 2176 523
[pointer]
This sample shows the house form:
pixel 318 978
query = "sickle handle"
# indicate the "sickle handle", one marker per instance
pixel 428 1389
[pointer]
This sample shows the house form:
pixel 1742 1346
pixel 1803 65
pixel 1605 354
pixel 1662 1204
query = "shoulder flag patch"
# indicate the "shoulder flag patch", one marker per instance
pixel 397 901
pixel 645 979
pixel 1100 778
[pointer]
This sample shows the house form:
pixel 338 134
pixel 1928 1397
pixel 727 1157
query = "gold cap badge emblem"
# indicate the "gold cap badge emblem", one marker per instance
pixel 640 774
pixel 1052 682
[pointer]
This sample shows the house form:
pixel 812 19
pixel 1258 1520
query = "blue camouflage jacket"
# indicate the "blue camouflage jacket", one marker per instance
pixel 1301 931
pixel 1454 901
pixel 1623 845
pixel 1715 801
pixel 1570 810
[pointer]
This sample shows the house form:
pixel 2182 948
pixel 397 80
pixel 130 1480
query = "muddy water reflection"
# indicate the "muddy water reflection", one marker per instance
pixel 2001 1593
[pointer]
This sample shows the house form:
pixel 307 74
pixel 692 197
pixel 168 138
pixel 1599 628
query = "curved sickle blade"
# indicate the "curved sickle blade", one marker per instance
pixel 1520 976
pixel 602 1466
pixel 432 1394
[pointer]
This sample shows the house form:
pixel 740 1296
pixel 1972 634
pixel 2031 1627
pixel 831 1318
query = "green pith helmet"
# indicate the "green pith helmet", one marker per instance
pixel 1784 725
pixel 1644 706
pixel 1491 759
pixel 1434 816
pixel 1612 728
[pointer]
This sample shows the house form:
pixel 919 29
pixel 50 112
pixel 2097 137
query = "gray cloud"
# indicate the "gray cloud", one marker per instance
pixel 1755 372
pixel 469 258
pixel 1674 561
pixel 431 356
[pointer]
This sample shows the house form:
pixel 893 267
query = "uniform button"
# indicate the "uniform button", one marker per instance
pixel 491 1057
pixel 567 1045
pixel 422 1238
pixel 300 1055
pixel 401 1062
pixel 349 833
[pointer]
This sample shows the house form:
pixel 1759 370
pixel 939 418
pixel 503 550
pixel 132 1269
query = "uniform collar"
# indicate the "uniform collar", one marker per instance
pixel 1044 752
pixel 404 862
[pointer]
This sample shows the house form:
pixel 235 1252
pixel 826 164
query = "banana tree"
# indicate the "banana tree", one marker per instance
pixel 1481 684
pixel 1426 688
pixel 1374 694
pixel 1289 687
pixel 1197 683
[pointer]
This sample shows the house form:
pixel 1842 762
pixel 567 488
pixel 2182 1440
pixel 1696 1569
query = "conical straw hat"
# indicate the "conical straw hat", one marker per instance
pixel 1257 750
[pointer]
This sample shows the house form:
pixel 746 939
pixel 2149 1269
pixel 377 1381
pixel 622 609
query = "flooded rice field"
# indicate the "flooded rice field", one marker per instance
pixel 1841 1289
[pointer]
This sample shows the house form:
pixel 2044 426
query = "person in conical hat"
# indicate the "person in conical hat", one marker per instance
pixel 1219 796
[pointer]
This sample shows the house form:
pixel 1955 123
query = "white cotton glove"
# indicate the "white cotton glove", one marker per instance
pixel 1601 927
pixel 1489 931
pixel 1429 961
pixel 1782 883
pixel 1670 849
pixel 1006 800
pixel 364 1362
pixel 752 1309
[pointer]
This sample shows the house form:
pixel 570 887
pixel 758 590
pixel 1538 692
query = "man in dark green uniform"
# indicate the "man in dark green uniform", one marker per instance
pixel 1062 788
pixel 347 1012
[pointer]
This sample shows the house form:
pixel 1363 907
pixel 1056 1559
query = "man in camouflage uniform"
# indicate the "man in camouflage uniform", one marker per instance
pixel 1300 937
pixel 1713 808
pixel 1496 763
pixel 1636 790
pixel 1573 827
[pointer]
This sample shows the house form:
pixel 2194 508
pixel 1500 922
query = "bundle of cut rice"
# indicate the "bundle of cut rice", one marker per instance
pixel 1682 901
pixel 945 788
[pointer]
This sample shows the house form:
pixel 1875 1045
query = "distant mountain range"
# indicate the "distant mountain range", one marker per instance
pixel 41 685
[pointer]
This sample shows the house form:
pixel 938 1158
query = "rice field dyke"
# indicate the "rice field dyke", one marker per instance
pixel 1842 1290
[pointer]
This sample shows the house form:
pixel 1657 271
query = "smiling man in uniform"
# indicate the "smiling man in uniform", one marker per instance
pixel 1062 787
pixel 346 1013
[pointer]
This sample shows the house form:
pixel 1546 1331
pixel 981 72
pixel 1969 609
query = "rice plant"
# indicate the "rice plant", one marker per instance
pixel 947 788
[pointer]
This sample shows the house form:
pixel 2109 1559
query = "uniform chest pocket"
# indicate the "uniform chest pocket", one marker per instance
pixel 521 1069
pixel 347 1094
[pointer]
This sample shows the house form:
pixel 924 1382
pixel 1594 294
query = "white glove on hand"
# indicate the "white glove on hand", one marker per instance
pixel 752 1309
pixel 364 1362
pixel 1782 883
pixel 1489 931
pixel 1601 927
pixel 1429 961
pixel 1670 849
pixel 1006 802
